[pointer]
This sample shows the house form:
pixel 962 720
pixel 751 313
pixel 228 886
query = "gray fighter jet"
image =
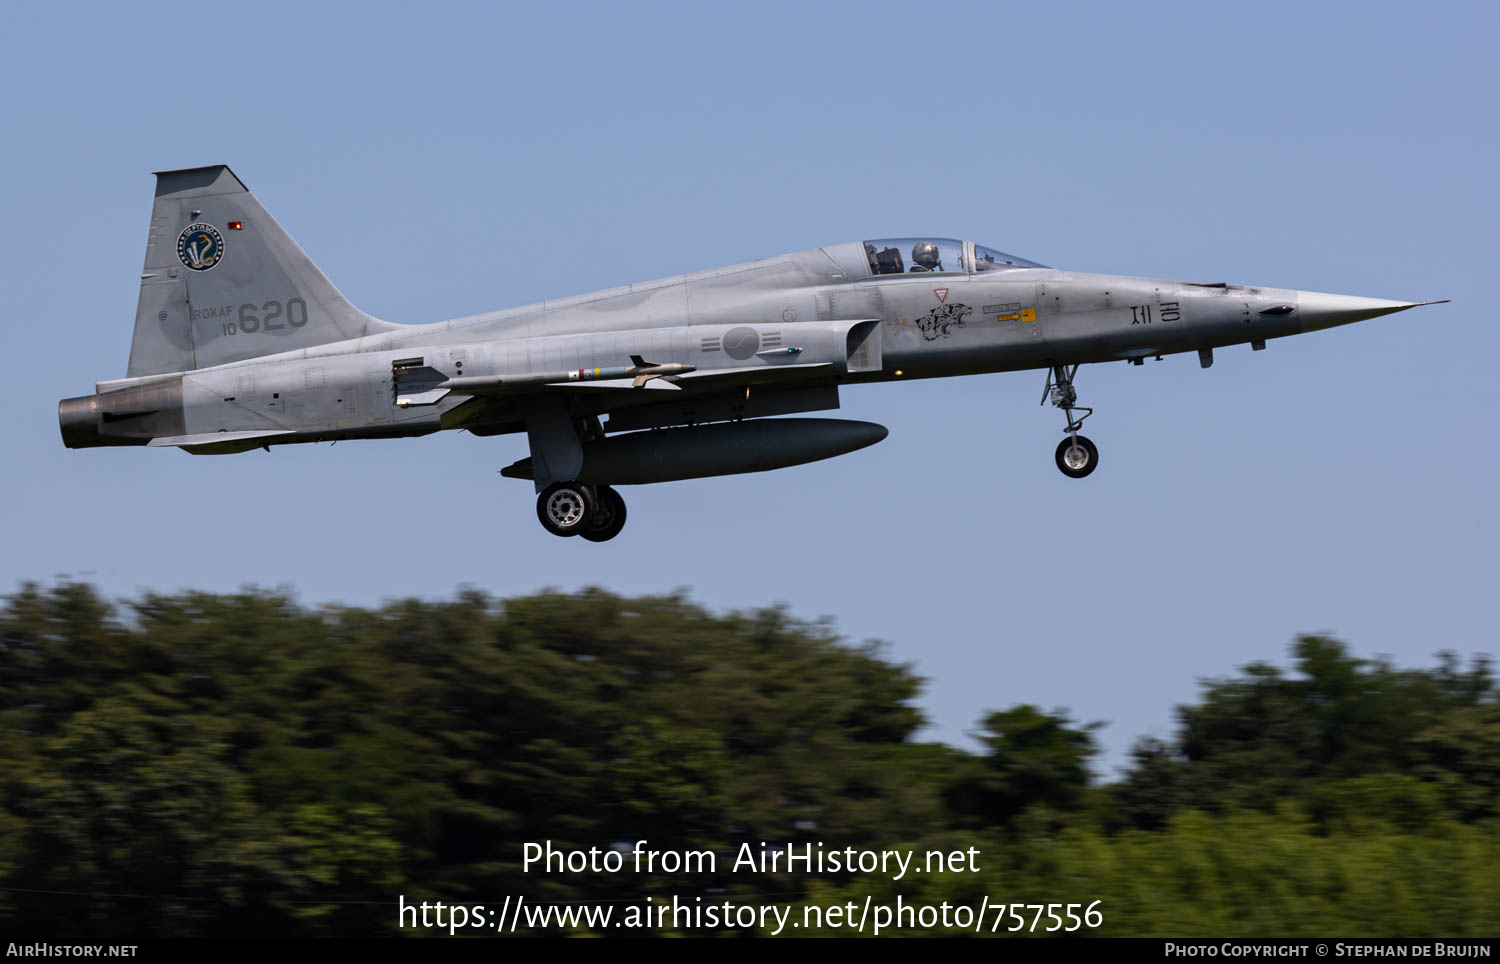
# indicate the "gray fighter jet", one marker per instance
pixel 242 343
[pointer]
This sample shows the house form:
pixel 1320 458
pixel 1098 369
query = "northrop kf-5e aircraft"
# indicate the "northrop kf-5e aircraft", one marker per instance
pixel 241 343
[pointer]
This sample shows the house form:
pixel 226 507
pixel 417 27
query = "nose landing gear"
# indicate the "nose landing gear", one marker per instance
pixel 1076 456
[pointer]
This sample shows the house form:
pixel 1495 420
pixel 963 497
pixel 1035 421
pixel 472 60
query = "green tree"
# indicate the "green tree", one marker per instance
pixel 1034 759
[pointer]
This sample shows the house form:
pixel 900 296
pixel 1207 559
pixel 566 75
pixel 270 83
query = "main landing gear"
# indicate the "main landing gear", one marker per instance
pixel 1076 456
pixel 565 506
pixel 596 512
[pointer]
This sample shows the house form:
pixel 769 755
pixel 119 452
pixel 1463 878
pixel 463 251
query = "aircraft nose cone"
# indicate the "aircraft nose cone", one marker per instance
pixel 1317 309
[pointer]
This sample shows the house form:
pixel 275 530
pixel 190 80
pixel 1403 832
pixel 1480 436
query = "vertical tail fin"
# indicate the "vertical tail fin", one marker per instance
pixel 224 282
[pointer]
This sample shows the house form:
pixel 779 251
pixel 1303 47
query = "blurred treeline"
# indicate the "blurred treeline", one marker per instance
pixel 213 765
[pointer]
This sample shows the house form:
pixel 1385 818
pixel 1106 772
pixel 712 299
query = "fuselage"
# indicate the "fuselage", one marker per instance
pixel 820 317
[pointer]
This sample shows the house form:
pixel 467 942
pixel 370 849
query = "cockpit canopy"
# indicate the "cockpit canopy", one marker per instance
pixel 988 259
pixel 937 256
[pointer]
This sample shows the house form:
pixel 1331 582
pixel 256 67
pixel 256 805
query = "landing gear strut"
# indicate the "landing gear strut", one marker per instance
pixel 1076 456
pixel 565 506
pixel 596 512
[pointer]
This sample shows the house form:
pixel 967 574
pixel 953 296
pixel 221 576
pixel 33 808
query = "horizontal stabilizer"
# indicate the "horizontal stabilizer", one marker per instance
pixel 214 438
pixel 431 397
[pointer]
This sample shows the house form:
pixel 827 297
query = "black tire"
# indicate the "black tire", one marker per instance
pixel 565 508
pixel 609 515
pixel 1080 461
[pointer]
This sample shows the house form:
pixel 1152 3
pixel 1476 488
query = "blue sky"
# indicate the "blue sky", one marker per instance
pixel 443 159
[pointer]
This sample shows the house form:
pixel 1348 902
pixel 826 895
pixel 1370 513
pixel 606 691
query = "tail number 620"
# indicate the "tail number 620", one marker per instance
pixel 271 316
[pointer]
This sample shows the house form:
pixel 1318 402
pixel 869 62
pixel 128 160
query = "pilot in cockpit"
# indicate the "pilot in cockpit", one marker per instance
pixel 924 256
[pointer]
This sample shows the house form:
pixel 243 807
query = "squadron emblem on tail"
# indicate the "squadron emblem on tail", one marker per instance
pixel 200 246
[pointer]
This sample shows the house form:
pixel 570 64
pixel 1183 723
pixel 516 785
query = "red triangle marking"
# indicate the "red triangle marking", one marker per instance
pixel 942 294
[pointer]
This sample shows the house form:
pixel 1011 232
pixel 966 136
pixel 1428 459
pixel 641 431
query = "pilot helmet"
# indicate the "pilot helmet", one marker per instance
pixel 925 253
